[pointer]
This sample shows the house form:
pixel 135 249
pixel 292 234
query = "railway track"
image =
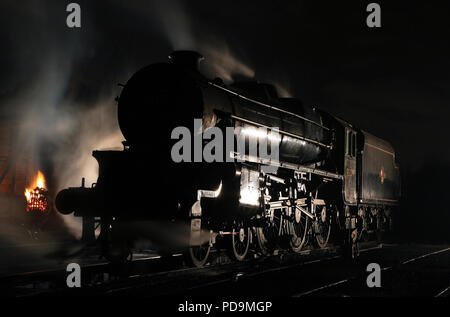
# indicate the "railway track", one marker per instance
pixel 407 270
pixel 391 273
pixel 49 281
pixel 107 278
pixel 311 273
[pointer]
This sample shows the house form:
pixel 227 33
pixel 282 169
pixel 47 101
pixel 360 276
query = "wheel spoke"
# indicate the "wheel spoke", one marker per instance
pixel 240 248
pixel 299 232
pixel 324 226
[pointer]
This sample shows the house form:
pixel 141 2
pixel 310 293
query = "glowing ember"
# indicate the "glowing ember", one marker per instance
pixel 36 195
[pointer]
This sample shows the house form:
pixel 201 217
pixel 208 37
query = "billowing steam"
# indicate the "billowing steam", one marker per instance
pixel 66 121
pixel 95 128
pixel 182 31
pixel 71 130
pixel 171 15
pixel 222 63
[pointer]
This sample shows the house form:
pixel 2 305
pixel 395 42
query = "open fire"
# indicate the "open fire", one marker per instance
pixel 36 195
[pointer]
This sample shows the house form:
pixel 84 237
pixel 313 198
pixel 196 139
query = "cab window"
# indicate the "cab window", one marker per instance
pixel 347 142
pixel 353 144
pixel 350 143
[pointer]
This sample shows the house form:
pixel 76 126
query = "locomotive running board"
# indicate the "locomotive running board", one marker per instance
pixel 295 167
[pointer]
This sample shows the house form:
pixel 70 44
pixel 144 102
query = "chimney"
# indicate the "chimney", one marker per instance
pixel 186 59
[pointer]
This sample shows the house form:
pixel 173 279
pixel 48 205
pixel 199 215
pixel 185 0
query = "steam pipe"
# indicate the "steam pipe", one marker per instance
pixel 267 106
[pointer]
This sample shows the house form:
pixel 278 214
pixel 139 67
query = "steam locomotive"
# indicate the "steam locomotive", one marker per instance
pixel 330 178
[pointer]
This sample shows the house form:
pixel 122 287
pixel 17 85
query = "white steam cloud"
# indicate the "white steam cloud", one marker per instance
pixel 51 116
pixel 222 63
pixel 72 130
pixel 95 128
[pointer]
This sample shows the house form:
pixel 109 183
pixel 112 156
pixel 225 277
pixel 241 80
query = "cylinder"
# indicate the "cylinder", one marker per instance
pixel 79 200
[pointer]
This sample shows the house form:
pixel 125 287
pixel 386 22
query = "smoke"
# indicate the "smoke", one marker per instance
pixel 182 31
pixel 178 23
pixel 60 82
pixel 95 128
pixel 65 131
pixel 221 62
pixel 282 89
pixel 171 19
pixel 45 94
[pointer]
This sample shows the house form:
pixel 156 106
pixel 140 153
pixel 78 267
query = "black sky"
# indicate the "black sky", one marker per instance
pixel 391 81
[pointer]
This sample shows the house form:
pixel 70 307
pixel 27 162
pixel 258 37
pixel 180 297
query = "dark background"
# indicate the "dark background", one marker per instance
pixel 392 81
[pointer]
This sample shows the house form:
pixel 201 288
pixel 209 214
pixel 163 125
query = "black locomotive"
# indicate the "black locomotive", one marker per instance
pixel 330 177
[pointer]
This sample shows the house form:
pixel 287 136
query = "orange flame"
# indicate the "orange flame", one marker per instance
pixel 38 183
